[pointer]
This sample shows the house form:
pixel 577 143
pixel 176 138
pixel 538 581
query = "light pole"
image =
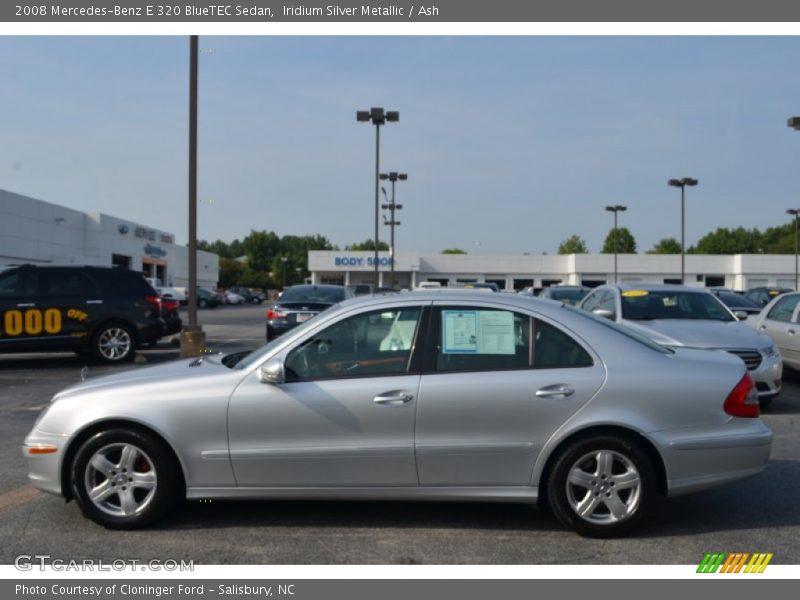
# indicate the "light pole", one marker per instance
pixel 617 208
pixel 795 212
pixel 378 117
pixel 682 183
pixel 283 270
pixel 192 337
pixel 394 177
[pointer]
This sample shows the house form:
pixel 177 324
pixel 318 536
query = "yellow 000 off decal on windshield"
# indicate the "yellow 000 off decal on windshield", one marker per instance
pixel 635 293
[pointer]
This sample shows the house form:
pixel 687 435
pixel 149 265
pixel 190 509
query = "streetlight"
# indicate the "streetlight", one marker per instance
pixel 682 183
pixel 378 117
pixel 394 177
pixel 192 336
pixel 617 208
pixel 795 212
pixel 283 270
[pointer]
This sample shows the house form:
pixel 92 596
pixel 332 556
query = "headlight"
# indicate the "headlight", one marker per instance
pixel 771 350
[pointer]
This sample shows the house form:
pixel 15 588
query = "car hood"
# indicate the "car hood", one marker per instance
pixel 171 372
pixel 700 333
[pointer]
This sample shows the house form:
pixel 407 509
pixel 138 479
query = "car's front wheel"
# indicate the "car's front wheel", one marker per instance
pixel 602 486
pixel 124 479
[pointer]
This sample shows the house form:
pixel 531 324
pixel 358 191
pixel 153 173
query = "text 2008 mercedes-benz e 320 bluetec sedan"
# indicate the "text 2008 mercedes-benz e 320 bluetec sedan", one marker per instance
pixel 425 396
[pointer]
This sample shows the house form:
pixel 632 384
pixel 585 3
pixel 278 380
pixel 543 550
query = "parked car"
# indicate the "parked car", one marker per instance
pixel 419 396
pixel 569 294
pixel 299 303
pixel 233 297
pixel 208 298
pixel 737 302
pixel 779 320
pixel 175 293
pixel 479 285
pixel 104 312
pixel 250 295
pixel 170 313
pixel 763 295
pixel 360 289
pixel 675 315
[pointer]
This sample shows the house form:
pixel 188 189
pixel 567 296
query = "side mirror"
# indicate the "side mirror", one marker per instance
pixel 740 314
pixel 605 313
pixel 272 372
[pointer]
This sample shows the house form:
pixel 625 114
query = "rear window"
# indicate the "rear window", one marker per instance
pixel 313 294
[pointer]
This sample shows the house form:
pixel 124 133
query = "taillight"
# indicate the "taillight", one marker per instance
pixel 275 314
pixel 743 399
pixel 155 301
pixel 169 305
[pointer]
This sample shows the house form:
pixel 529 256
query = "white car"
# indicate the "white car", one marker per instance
pixel 233 298
pixel 779 320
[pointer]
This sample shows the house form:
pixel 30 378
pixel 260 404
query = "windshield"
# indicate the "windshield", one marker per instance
pixel 568 296
pixel 640 305
pixel 313 294
pixel 257 354
pixel 620 328
pixel 732 299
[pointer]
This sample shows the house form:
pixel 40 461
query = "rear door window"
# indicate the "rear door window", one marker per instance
pixel 784 309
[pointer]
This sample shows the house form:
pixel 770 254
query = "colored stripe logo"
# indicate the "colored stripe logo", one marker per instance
pixel 736 562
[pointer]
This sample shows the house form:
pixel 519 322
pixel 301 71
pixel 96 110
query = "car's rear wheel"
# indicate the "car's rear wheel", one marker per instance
pixel 124 479
pixel 602 486
pixel 113 343
pixel 202 303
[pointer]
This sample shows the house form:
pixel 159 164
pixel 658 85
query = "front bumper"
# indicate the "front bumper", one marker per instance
pixel 767 376
pixel 702 458
pixel 44 470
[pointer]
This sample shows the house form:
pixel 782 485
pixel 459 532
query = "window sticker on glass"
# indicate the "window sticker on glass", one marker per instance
pixel 478 332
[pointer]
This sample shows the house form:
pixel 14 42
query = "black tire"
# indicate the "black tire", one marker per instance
pixel 202 303
pixel 632 504
pixel 113 343
pixel 151 456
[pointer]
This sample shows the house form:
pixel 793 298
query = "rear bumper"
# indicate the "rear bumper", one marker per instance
pixel 704 458
pixel 151 332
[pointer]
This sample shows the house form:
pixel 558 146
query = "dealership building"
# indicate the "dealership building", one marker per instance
pixel 37 232
pixel 516 271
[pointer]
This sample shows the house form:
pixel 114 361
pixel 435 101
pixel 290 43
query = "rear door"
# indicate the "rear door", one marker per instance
pixel 76 298
pixel 498 383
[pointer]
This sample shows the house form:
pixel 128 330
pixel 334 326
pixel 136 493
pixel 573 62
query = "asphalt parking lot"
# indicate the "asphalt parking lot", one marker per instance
pixel 757 515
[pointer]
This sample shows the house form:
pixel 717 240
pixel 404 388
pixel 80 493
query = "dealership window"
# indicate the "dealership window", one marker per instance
pixel 118 260
pixel 521 284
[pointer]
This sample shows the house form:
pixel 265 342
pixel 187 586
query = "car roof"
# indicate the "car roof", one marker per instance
pixel 657 287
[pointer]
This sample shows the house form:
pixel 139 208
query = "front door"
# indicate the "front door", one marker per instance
pixel 344 416
pixel 780 324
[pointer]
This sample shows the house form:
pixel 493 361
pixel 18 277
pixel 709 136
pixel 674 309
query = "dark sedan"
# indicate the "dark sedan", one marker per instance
pixel 297 304
pixel 764 295
pixel 737 302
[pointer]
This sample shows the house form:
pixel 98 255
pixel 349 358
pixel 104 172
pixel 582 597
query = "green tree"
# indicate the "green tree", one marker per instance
pixel 666 246
pixel 626 244
pixel 367 245
pixel 453 251
pixel 728 241
pixel 573 245
pixel 778 240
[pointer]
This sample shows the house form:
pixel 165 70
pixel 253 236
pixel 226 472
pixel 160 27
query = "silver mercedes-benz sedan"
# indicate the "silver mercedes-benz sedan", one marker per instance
pixel 417 396
pixel 677 315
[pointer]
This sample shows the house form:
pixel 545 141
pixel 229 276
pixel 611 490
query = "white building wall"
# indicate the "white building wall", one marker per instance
pixel 38 232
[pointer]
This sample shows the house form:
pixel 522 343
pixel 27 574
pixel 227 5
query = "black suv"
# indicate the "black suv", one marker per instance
pixel 102 311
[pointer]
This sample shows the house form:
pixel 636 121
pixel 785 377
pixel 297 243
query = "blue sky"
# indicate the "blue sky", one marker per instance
pixel 513 142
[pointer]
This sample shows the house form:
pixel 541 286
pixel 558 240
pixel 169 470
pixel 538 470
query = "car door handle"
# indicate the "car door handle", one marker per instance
pixel 559 390
pixel 26 305
pixel 762 327
pixel 393 398
pixel 791 332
